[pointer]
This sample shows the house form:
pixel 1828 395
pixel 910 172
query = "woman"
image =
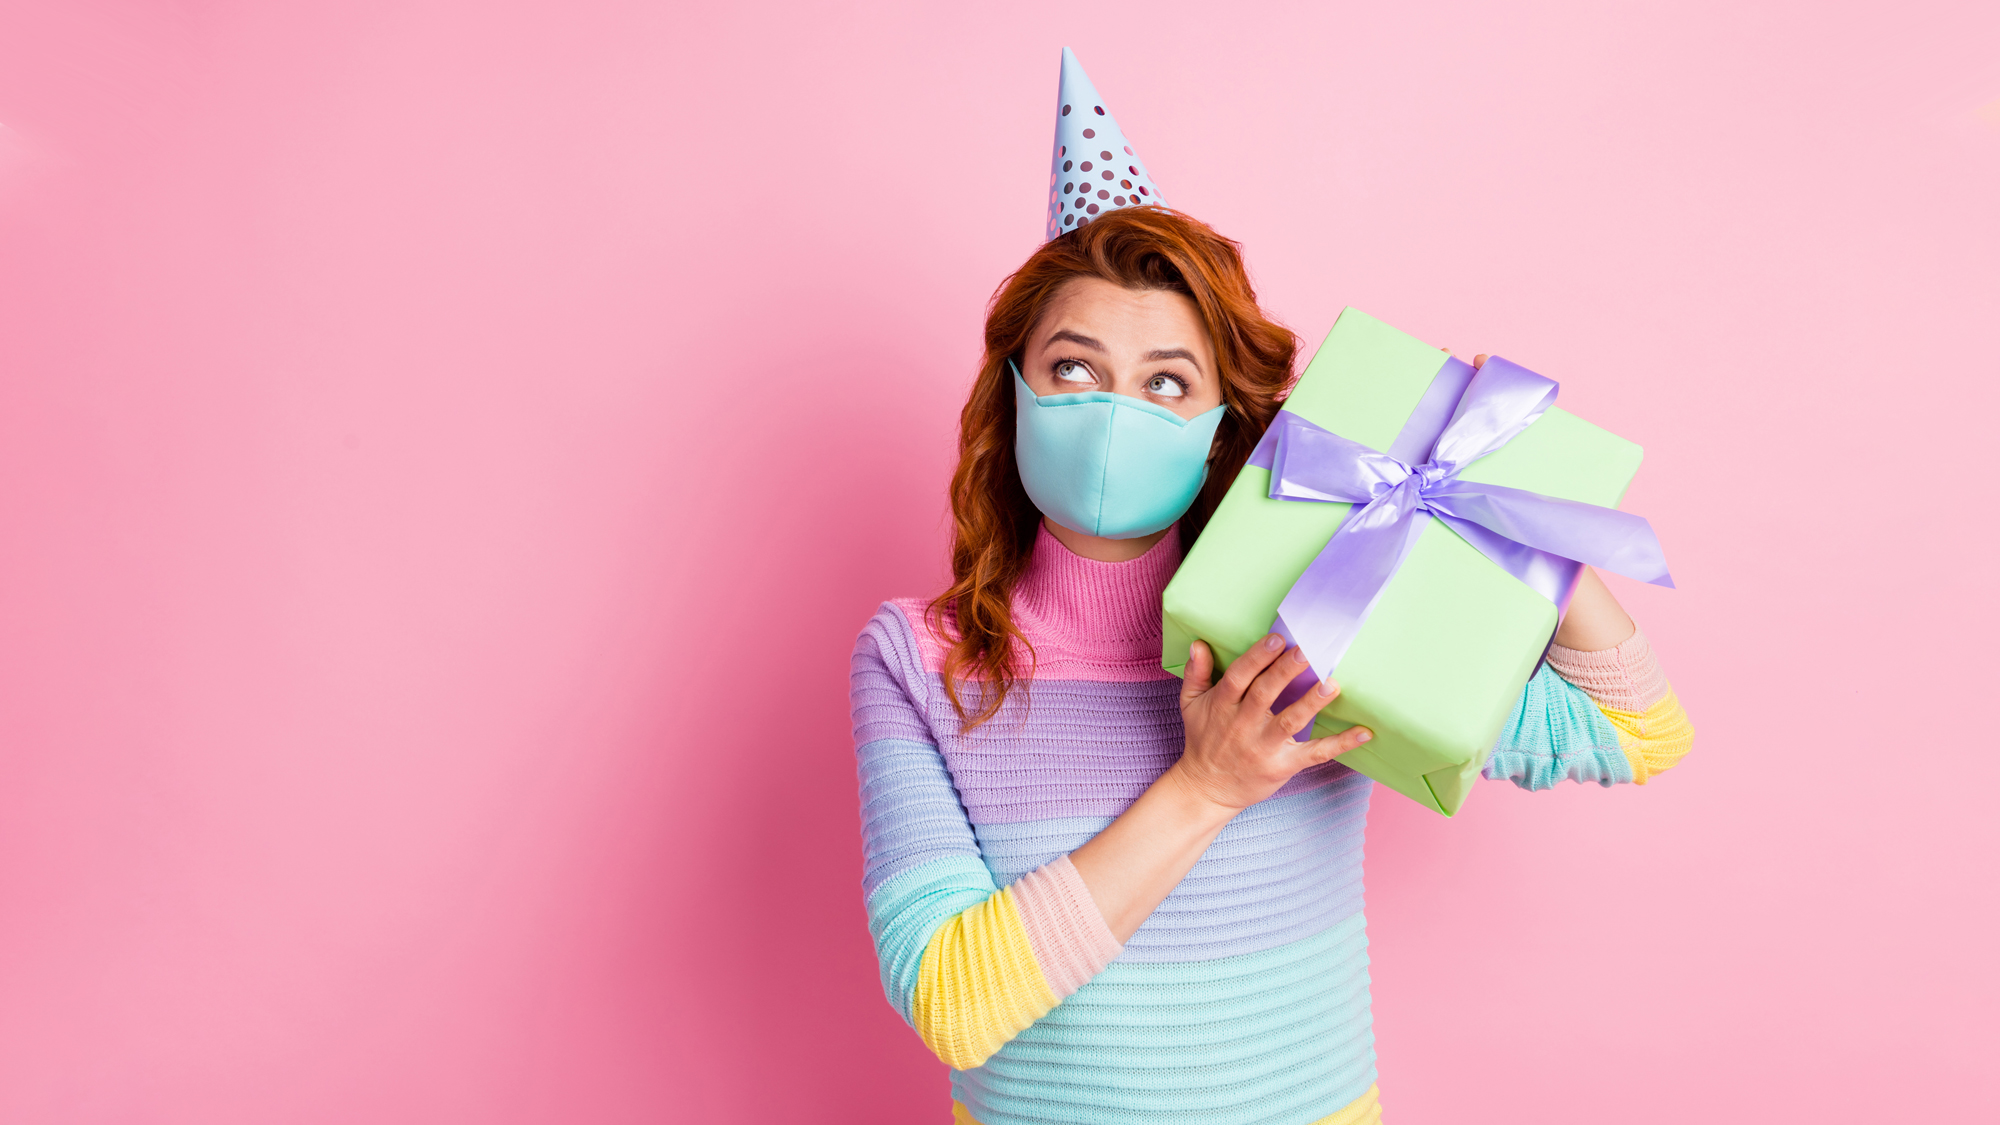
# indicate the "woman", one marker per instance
pixel 1098 893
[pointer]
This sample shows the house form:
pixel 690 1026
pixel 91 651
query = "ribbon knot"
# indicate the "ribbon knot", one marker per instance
pixel 1427 474
pixel 1541 540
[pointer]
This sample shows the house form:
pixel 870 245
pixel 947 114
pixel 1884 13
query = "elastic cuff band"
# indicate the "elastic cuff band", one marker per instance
pixel 1072 943
pixel 1627 678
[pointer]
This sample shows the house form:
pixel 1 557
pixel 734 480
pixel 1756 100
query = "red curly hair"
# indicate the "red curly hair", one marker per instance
pixel 993 521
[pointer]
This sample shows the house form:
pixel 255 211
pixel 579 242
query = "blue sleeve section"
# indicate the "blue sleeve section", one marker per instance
pixel 904 912
pixel 921 860
pixel 1557 733
pixel 910 813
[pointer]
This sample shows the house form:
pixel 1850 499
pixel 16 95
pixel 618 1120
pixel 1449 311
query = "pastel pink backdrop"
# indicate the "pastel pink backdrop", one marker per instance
pixel 448 448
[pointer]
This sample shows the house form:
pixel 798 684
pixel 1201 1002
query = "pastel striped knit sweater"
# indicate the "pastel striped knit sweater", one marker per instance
pixel 1243 1000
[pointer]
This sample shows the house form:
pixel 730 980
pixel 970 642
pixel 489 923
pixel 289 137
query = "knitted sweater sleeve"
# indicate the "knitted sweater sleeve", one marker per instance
pixel 967 963
pixel 1607 716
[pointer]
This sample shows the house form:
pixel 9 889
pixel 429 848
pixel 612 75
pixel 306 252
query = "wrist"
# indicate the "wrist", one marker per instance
pixel 1194 801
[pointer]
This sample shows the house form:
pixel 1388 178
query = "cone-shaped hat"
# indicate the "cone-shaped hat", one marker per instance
pixel 1094 169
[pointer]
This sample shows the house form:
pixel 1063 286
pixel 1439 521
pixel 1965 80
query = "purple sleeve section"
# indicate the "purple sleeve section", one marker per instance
pixel 887 688
pixel 910 812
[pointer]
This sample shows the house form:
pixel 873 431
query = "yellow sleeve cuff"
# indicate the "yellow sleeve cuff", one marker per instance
pixel 1653 739
pixel 979 984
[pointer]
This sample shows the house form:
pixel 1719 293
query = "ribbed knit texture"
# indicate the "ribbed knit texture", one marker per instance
pixel 1627 684
pixel 1243 999
pixel 1067 932
pixel 1364 1110
pixel 1557 734
pixel 979 984
pixel 1627 677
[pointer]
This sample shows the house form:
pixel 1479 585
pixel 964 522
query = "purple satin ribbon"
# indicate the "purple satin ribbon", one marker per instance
pixel 1465 415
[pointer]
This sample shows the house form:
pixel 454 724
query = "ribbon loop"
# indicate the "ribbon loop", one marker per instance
pixel 1311 463
pixel 1503 399
pixel 1541 540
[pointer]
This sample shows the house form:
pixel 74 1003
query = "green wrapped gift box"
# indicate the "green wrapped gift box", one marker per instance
pixel 1440 662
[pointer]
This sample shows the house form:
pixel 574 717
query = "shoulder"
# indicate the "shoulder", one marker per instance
pixel 906 636
pixel 892 672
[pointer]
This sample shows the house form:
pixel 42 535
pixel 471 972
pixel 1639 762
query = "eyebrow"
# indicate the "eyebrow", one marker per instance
pixel 1152 356
pixel 1077 337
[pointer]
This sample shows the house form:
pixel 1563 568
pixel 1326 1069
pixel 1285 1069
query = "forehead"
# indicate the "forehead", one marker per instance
pixel 1121 317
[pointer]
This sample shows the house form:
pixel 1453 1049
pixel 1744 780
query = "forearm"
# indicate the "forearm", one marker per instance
pixel 1239 751
pixel 1139 859
pixel 987 973
pixel 1602 698
pixel 1595 621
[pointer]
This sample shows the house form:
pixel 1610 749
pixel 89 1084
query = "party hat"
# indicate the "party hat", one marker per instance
pixel 1094 169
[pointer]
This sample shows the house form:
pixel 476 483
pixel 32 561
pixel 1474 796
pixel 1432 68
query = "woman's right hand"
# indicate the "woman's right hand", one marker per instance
pixel 1238 752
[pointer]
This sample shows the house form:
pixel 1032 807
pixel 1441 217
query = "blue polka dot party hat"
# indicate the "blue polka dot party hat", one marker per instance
pixel 1094 169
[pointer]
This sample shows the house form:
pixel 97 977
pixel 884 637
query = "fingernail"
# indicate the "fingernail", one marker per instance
pixel 1274 642
pixel 1298 655
pixel 1327 687
pixel 1364 736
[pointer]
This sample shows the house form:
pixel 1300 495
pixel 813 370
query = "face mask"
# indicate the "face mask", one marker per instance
pixel 1109 465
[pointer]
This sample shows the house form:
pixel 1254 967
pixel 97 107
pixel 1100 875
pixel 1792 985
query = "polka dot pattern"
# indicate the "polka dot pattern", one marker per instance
pixel 1092 181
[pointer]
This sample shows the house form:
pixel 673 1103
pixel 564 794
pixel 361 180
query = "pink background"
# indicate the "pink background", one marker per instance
pixel 447 449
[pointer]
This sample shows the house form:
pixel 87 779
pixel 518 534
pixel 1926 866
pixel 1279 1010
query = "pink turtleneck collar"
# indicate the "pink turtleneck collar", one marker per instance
pixel 1095 620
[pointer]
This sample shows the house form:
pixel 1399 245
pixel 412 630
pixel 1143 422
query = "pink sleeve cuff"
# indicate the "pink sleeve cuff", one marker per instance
pixel 1626 678
pixel 1071 942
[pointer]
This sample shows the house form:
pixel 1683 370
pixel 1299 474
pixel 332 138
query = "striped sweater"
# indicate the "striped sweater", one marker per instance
pixel 1243 1000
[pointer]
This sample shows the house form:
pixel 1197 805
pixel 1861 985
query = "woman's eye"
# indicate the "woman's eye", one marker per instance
pixel 1167 386
pixel 1070 371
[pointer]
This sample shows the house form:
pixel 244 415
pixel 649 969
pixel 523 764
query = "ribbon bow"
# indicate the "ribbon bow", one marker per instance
pixel 1538 539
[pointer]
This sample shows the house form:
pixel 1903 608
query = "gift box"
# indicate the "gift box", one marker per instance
pixel 1476 501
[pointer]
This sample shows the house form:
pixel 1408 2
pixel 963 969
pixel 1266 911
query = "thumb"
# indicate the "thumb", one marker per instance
pixel 1195 675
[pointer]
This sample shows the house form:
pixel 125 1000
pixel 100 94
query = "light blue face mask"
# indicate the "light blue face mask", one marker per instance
pixel 1109 465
